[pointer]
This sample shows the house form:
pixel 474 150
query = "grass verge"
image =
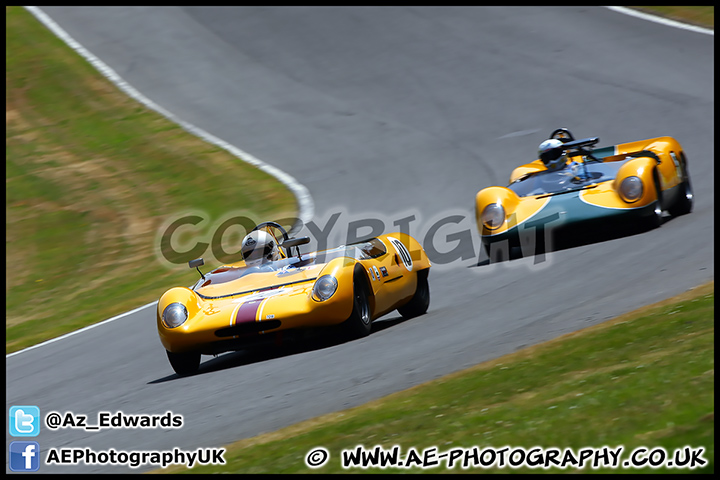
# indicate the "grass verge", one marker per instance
pixel 90 176
pixel 702 16
pixel 645 379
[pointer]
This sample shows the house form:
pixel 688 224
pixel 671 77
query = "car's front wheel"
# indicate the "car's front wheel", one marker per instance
pixel 420 302
pixel 184 363
pixel 654 220
pixel 359 323
pixel 684 203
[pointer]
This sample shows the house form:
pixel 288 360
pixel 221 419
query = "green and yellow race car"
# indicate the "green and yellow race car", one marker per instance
pixel 573 184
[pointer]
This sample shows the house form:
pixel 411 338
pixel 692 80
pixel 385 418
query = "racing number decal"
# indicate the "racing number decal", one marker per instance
pixel 402 252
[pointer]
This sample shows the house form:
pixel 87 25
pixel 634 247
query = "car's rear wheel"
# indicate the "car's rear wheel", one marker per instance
pixel 184 363
pixel 420 301
pixel 359 323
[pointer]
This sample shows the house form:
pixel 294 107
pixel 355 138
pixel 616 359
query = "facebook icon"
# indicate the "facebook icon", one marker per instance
pixel 24 456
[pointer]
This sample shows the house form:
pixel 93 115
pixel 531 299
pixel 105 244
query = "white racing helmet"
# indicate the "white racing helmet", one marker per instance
pixel 258 247
pixel 551 153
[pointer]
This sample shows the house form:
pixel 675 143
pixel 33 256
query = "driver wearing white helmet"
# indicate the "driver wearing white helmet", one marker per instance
pixel 552 154
pixel 259 247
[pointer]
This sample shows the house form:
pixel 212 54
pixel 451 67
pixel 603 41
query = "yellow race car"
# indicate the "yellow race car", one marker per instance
pixel 264 299
pixel 574 185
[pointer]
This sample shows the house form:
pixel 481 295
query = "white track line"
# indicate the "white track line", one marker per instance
pixel 305 203
pixel 664 21
pixel 53 340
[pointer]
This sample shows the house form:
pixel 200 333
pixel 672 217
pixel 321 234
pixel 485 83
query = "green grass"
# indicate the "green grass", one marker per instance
pixel 91 175
pixel 645 379
pixel 702 16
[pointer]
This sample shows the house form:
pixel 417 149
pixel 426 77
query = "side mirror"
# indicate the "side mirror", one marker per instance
pixel 294 242
pixel 198 262
pixel 577 147
pixel 583 142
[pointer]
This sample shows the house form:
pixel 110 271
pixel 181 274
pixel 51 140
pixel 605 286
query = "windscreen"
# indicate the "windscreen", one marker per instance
pixel 360 251
pixel 568 179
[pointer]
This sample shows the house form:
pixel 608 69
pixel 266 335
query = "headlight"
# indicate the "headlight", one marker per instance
pixel 493 216
pixel 325 288
pixel 174 315
pixel 631 189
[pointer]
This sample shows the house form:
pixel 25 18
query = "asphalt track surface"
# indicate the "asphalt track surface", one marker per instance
pixel 386 113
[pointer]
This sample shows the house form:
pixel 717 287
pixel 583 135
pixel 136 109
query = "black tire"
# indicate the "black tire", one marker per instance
pixel 359 323
pixel 184 363
pixel 655 219
pixel 498 252
pixel 684 203
pixel 420 301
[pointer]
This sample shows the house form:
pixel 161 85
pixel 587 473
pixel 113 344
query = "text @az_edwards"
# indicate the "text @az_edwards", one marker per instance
pixel 112 420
